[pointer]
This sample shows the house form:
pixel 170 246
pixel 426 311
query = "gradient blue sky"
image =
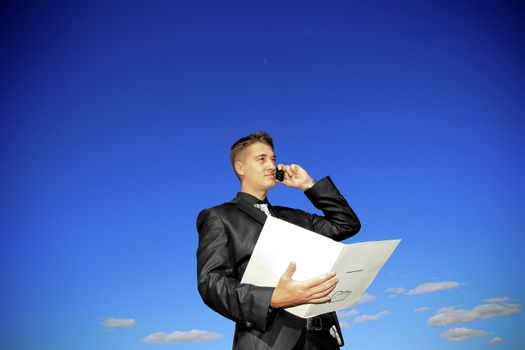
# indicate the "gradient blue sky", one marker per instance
pixel 116 122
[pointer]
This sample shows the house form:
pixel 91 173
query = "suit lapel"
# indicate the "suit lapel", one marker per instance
pixel 253 212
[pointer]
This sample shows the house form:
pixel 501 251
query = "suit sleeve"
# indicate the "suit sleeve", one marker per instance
pixel 339 221
pixel 217 285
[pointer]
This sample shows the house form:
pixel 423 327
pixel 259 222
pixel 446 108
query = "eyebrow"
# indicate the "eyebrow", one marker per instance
pixel 264 155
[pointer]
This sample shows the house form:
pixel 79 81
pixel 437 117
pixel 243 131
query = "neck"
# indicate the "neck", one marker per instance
pixel 259 194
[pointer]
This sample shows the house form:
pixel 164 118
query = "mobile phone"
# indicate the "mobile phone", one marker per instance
pixel 279 175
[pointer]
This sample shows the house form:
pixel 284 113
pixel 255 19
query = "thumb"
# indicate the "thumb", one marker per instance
pixel 290 270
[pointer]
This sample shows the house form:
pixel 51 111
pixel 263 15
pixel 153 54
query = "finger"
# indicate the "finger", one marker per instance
pixel 326 286
pixel 289 171
pixel 290 270
pixel 319 280
pixel 280 166
pixel 320 300
pixel 323 293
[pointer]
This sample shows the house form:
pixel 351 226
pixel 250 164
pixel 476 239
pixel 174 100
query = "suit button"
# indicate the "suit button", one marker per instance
pixel 248 324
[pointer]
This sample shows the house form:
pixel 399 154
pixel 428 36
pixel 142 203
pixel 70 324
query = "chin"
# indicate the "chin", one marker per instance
pixel 271 184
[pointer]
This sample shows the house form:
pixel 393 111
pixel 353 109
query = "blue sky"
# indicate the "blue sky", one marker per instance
pixel 117 118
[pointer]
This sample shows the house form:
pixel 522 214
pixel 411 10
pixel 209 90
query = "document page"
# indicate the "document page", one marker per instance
pixel 356 268
pixel 356 265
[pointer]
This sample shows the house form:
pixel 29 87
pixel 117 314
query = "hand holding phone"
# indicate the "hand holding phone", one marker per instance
pixel 294 176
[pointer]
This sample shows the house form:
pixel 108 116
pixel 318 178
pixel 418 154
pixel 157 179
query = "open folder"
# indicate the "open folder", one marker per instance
pixel 356 265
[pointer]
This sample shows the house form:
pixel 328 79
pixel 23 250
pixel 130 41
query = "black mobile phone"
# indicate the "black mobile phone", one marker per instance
pixel 279 175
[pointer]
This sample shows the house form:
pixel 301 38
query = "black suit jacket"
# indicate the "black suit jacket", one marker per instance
pixel 227 237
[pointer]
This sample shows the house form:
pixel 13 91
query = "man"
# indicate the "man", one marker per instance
pixel 227 237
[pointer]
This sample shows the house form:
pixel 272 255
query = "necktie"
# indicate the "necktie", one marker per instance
pixel 263 207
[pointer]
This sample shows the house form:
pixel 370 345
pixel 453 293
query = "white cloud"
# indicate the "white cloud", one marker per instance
pixel 112 322
pixel 347 313
pixel 366 318
pixel 497 300
pixel 344 324
pixel 421 309
pixel 396 274
pixel 366 298
pixel 432 287
pixel 459 334
pixel 450 315
pixel 395 291
pixel 192 336
pixel 496 340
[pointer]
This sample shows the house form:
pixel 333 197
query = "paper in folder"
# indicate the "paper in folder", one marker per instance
pixel 356 265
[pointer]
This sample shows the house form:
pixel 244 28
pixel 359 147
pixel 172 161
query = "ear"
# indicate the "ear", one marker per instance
pixel 239 168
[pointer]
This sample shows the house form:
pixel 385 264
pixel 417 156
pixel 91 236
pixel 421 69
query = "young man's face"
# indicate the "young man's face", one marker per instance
pixel 257 167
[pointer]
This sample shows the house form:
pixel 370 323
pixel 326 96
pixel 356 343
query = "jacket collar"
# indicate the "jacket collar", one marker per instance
pixel 249 209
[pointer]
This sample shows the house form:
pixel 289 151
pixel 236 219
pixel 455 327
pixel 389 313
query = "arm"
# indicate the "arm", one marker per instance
pixel 218 287
pixel 339 221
